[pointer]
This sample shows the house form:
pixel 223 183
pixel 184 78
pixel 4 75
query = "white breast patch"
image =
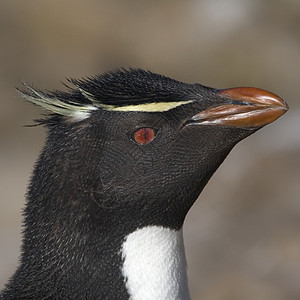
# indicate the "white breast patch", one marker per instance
pixel 154 264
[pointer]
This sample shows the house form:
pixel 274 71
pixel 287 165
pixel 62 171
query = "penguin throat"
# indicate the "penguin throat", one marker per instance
pixel 154 264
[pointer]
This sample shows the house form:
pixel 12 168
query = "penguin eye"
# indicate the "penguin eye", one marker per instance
pixel 143 135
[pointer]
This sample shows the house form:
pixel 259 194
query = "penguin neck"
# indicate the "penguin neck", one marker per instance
pixel 154 264
pixel 88 245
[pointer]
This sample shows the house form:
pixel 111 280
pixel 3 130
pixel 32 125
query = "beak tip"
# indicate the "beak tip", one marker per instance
pixel 259 108
pixel 268 101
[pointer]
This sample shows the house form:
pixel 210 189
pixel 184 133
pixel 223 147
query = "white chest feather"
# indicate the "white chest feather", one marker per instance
pixel 154 264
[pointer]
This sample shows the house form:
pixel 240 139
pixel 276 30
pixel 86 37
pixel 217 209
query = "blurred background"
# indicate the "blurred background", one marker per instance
pixel 242 236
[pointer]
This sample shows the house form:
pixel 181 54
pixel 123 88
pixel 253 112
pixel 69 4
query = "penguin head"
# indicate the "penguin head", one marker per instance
pixel 140 147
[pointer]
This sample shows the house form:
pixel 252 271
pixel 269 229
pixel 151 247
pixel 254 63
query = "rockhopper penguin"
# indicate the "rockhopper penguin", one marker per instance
pixel 127 154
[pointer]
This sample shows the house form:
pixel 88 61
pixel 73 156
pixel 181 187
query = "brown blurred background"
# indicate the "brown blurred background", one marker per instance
pixel 243 236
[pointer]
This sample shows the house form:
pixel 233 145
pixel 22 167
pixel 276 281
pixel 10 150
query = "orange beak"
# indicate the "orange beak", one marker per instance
pixel 254 108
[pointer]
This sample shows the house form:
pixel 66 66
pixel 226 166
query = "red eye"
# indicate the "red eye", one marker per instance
pixel 143 136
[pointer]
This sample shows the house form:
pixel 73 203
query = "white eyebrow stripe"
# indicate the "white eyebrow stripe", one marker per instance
pixel 145 107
